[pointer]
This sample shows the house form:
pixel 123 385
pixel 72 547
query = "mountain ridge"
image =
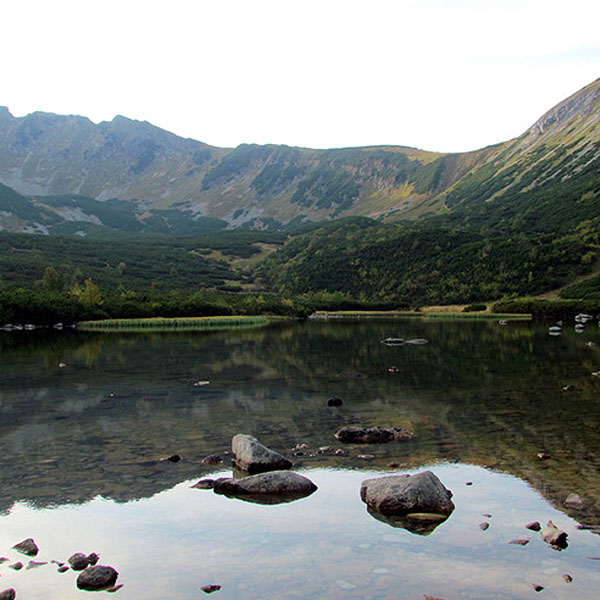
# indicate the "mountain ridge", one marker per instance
pixel 253 185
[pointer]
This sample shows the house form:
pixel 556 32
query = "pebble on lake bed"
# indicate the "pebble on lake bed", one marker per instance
pixel 537 587
pixel 483 526
pixel 209 589
pixel 16 566
pixel 567 578
pixel 519 542
pixel 534 526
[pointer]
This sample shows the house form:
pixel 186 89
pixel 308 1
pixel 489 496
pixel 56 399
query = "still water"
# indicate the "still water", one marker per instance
pixel 82 443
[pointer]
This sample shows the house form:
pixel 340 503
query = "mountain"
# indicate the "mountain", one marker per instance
pixel 45 154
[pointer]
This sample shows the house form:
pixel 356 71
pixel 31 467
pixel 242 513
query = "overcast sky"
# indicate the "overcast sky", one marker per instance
pixel 445 75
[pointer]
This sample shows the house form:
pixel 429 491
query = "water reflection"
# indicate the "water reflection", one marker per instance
pixel 476 393
pixel 325 546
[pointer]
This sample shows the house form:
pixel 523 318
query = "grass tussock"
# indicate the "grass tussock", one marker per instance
pixel 174 324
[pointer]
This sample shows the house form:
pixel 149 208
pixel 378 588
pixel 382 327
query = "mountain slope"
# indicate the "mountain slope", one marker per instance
pixel 252 185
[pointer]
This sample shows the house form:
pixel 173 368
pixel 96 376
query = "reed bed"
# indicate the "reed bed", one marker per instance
pixel 174 324
pixel 420 315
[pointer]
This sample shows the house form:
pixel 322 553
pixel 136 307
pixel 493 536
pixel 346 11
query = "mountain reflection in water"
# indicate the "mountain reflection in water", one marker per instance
pixel 477 393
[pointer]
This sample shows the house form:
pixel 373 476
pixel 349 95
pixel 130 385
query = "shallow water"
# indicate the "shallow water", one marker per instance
pixel 82 444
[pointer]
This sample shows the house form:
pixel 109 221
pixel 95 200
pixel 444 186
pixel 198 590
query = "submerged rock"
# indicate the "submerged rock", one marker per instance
pixel 335 402
pixel 417 523
pixel 574 501
pixel 17 566
pixel 28 547
pixel 97 578
pixel 403 494
pixel 372 435
pixel 534 526
pixel 212 459
pixel 251 456
pixel 209 589
pixel 267 488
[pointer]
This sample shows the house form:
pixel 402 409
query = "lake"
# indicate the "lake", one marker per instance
pixel 86 421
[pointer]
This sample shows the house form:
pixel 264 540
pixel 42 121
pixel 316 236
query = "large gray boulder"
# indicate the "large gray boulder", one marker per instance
pixel 372 435
pixel 405 494
pixel 251 456
pixel 267 488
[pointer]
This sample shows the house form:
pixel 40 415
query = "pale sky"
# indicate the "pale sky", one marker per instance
pixel 445 75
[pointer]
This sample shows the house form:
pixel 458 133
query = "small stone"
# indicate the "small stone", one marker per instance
pixel 335 402
pixel 324 450
pixel 212 459
pixel 57 562
pixel 8 594
pixel 426 597
pixel 534 526
pixel 394 465
pixel 340 452
pixel 469 483
pixel 27 547
pixel 204 484
pixel 543 456
pixel 63 569
pixel 537 587
pixel 567 578
pixel 300 447
pixel 209 589
pixel 394 369
pixel 519 542
pixel 554 536
pixel 97 578
pixel 78 561
pixel 32 564
pixel 3 559
pixel 115 588
pixel 298 453
pixel 483 526
pixel 93 558
pixel 16 566
pixel 486 515
pixel 61 365
pixel 174 458
pixel 201 383
pixel 568 388
pixel 366 456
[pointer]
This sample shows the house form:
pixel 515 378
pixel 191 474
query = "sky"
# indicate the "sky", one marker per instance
pixel 441 75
